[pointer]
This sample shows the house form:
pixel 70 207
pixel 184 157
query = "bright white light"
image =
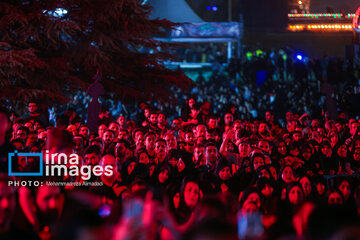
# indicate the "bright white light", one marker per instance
pixel 300 2
pixel 60 12
pixel 299 57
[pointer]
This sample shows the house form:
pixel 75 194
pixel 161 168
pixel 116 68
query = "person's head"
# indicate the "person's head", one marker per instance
pixel 297 136
pixel 356 154
pixel 274 172
pixel 295 194
pixel 170 141
pixel 251 194
pixel 160 148
pixel 49 202
pixel 342 151
pixel 257 160
pixel 115 127
pixel 306 152
pixel 32 139
pixel 190 192
pixel 18 144
pixel 147 111
pixel 7 202
pixel 173 157
pixel 264 145
pixel 320 185
pixel 306 185
pixel 244 148
pixel 210 135
pixel 334 138
pixel 206 107
pixel 287 174
pixel 281 148
pixel 72 129
pixel 153 117
pixel 228 119
pixel 121 148
pixel 142 156
pixel 212 122
pixel 200 131
pixel 237 125
pixel 269 116
pixel 223 170
pixel 263 171
pixel 164 173
pixel 289 116
pixel 109 161
pixel 265 186
pixel 123 134
pixel 340 126
pixel 198 151
pixel 29 125
pixel 121 121
pixel 211 154
pixel 343 185
pixel 22 133
pixel 108 137
pixel 335 197
pixel 136 132
pixel 101 130
pixel 78 143
pixel 325 148
pixel 150 138
pixel 92 155
pixel 162 119
pixel 353 127
pixel 32 107
pixel 84 131
pixel 191 102
pixel 189 138
pixel 176 124
pixel 59 140
pixel 263 128
pixel 290 126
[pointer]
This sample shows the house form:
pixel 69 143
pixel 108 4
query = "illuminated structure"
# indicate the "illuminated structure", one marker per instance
pixel 320 15
pixel 356 20
pixel 299 6
pixel 320 27
pixel 356 28
pixel 324 22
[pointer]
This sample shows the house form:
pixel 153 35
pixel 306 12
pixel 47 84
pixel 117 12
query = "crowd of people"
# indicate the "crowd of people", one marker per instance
pixel 200 175
pixel 288 84
pixel 201 52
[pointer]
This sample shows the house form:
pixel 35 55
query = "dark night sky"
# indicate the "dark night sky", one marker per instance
pixel 348 6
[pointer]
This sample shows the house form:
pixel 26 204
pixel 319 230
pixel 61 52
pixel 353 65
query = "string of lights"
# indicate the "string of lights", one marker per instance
pixel 320 27
pixel 321 15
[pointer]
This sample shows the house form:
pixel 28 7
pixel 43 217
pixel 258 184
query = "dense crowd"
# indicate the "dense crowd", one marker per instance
pixel 199 176
pixel 288 84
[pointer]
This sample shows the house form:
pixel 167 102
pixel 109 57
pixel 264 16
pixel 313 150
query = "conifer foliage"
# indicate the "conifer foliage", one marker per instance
pixel 51 46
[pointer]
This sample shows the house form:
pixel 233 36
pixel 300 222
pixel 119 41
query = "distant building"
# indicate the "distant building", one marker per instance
pixel 299 6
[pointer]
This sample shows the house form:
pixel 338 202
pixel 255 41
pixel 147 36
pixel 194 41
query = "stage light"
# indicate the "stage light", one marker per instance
pixel 208 8
pixel 299 57
pixel 60 12
pixel 214 8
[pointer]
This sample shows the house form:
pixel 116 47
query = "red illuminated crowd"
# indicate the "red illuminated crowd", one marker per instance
pixel 200 176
